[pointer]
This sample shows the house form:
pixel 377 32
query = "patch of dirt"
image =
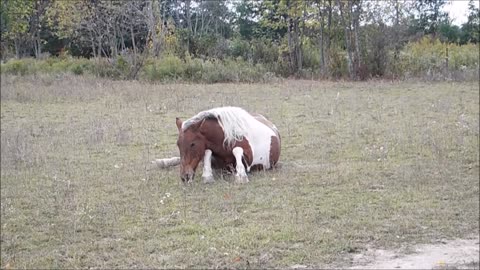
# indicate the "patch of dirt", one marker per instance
pixel 456 254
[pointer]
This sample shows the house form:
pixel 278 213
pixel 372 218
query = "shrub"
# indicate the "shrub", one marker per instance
pixel 81 66
pixel 240 48
pixel 103 68
pixel 193 68
pixel 264 51
pixel 428 57
pixel 311 56
pixel 16 67
pixel 167 67
pixel 338 64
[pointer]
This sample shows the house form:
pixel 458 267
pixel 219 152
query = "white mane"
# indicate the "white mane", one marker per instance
pixel 233 120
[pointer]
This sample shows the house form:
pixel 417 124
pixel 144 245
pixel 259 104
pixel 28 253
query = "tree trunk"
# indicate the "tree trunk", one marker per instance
pixel 163 28
pixel 113 41
pixel 291 45
pixel 396 32
pixel 328 37
pixel 321 39
pixel 133 43
pixel 300 40
pixel 201 28
pixel 351 70
pixel 188 16
pixel 196 25
pixel 99 41
pixel 298 45
pixel 17 48
pixel 37 46
pixel 356 19
pixel 176 18
pixel 152 26
pixel 92 40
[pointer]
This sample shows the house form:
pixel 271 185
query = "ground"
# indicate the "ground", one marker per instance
pixel 365 166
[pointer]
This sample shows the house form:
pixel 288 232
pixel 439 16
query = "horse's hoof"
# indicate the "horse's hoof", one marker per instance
pixel 241 179
pixel 208 179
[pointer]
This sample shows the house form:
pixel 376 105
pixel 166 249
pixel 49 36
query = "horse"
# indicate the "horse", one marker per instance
pixel 227 138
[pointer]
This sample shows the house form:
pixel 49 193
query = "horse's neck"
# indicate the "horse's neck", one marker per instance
pixel 213 133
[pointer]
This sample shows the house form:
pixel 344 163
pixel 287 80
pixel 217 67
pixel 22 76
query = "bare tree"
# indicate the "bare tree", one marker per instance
pixel 348 43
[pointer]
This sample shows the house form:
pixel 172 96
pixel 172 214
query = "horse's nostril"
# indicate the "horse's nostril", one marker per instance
pixel 186 178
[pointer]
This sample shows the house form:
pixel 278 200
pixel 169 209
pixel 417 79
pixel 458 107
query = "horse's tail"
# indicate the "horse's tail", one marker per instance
pixel 166 162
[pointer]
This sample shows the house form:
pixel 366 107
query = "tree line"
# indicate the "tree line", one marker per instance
pixel 293 35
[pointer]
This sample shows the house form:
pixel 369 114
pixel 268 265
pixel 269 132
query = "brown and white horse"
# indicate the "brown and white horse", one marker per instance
pixel 225 138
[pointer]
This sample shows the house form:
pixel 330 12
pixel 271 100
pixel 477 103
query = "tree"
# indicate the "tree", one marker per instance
pixel 471 29
pixel 347 18
pixel 16 15
pixel 429 16
pixel 247 18
pixel 449 32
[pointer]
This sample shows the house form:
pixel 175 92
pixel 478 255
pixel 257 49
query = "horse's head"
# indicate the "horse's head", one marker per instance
pixel 192 146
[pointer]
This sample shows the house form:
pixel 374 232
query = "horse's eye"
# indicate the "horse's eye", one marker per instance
pixel 192 144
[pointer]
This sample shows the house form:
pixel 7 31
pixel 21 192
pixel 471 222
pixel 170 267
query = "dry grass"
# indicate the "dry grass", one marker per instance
pixel 377 163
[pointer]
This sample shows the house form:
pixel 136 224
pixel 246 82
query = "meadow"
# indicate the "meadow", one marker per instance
pixel 364 164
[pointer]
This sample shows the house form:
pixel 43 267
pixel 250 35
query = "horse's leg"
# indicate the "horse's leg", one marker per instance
pixel 166 162
pixel 241 175
pixel 207 167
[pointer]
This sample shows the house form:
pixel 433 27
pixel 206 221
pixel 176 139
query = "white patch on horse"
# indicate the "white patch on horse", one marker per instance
pixel 207 167
pixel 238 124
pixel 241 176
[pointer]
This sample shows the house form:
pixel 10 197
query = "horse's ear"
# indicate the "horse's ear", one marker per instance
pixel 198 125
pixel 179 123
pixel 203 122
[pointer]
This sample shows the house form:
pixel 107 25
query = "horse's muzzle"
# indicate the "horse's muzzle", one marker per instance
pixel 188 177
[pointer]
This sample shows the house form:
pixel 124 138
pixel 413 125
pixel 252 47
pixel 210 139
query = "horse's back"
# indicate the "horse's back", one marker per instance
pixel 275 140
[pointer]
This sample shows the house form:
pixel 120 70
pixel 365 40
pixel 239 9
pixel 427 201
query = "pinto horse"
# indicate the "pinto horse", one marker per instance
pixel 226 138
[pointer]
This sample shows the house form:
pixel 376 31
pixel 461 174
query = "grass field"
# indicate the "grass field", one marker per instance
pixel 376 164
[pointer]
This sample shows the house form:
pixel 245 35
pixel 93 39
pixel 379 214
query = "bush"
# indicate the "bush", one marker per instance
pixel 52 65
pixel 428 57
pixel 240 48
pixel 104 68
pixel 167 67
pixel 17 67
pixel 264 51
pixel 82 66
pixel 311 56
pixel 338 64
pixel 193 68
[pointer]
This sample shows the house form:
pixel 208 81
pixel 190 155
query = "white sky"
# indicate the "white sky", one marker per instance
pixel 458 10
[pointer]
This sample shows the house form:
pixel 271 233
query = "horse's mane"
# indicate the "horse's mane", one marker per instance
pixel 233 120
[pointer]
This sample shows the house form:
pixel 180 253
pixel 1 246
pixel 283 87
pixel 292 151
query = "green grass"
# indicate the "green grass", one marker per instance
pixel 376 163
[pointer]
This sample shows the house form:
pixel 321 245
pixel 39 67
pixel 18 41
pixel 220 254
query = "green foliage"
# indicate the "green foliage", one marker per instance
pixel 17 13
pixel 246 10
pixel 429 15
pixel 465 56
pixel 198 70
pixel 264 59
pixel 193 68
pixel 470 31
pixel 264 51
pixel 311 55
pixel 240 48
pixel 168 67
pixel 428 56
pixel 449 32
pixel 16 67
pixel 338 64
pixel 81 66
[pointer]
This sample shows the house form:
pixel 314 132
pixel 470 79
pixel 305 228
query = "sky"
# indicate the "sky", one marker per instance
pixel 458 10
